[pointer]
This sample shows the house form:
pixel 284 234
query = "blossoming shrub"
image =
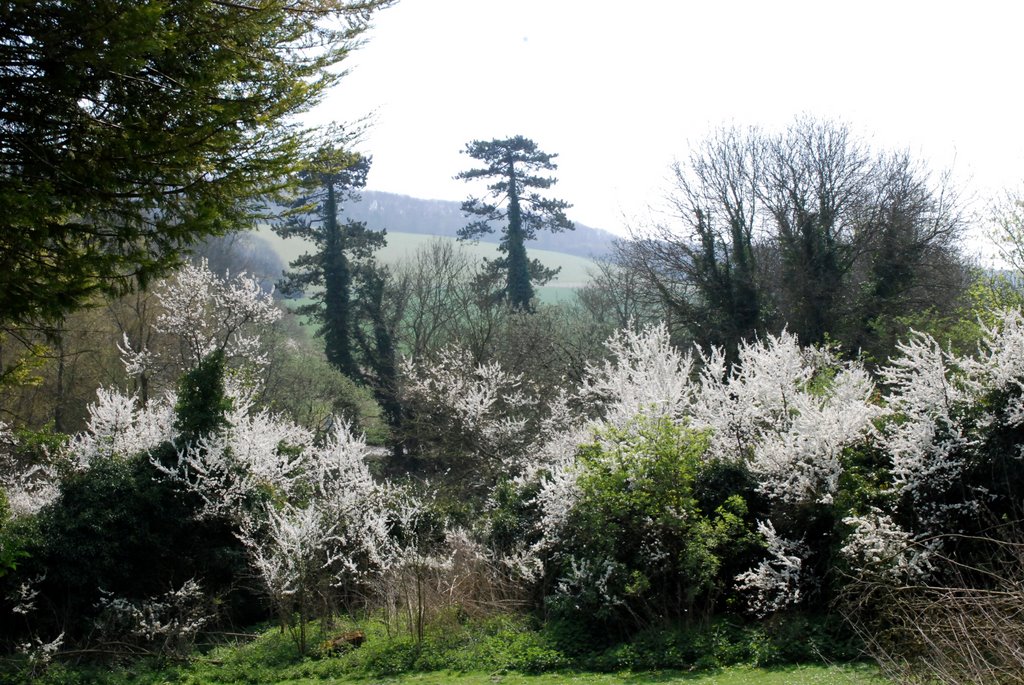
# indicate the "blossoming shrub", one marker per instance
pixel 935 558
pixel 777 429
pixel 118 526
pixel 470 422
pixel 945 466
pixel 167 625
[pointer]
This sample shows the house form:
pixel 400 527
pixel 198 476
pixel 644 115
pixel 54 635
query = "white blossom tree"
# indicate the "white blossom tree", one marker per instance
pixel 201 313
pixel 645 375
pixel 476 420
pixel 227 470
pixel 325 523
pixel 929 444
pixel 789 412
pixel 27 488
pixel 291 549
pixel 947 408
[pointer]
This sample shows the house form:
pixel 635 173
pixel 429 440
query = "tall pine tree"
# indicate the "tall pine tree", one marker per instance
pixel 343 255
pixel 514 164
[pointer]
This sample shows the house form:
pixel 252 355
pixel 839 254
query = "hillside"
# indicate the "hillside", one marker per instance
pixel 404 214
pixel 412 223
pixel 401 246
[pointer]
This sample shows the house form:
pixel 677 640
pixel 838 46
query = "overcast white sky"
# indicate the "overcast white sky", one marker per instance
pixel 620 89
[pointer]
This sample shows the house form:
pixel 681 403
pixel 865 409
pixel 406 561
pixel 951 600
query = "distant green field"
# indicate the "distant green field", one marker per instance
pixel 402 246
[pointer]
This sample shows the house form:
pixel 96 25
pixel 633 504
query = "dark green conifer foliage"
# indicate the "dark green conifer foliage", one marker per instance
pixel 202 400
pixel 132 129
pixel 514 164
pixel 343 254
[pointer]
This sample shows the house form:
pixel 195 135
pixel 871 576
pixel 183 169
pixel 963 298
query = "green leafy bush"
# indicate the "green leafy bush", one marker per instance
pixel 727 642
pixel 644 544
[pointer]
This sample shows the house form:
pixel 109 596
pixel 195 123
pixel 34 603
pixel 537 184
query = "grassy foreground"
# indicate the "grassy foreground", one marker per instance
pixel 501 649
pixel 859 674
pixel 793 675
pixel 201 673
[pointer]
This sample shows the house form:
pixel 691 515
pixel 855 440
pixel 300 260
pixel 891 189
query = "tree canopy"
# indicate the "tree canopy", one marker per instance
pixel 131 129
pixel 515 164
pixel 807 229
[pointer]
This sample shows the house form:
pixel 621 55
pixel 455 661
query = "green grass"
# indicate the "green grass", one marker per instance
pixel 502 649
pixel 402 246
pixel 859 674
pixel 792 675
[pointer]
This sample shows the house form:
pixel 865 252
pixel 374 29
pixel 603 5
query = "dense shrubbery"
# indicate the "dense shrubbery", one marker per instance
pixel 669 510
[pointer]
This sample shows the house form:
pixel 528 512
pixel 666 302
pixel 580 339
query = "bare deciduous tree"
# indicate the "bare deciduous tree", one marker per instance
pixel 808 229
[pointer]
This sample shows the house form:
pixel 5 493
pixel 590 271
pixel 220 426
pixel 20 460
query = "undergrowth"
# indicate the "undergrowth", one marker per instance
pixel 497 645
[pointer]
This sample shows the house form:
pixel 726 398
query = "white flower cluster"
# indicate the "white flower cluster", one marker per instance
pixel 943 409
pixel 24 596
pixel 999 364
pixel 119 427
pixel 41 653
pixel 928 443
pixel 787 412
pixel 289 545
pixel 790 414
pixel 28 488
pixel 768 411
pixel 205 313
pixel 481 402
pixel 172 619
pixel 335 521
pixel 776 582
pixel 341 484
pixel 878 548
pixel 646 375
pixel 765 410
pixel 585 577
pixel 256 449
